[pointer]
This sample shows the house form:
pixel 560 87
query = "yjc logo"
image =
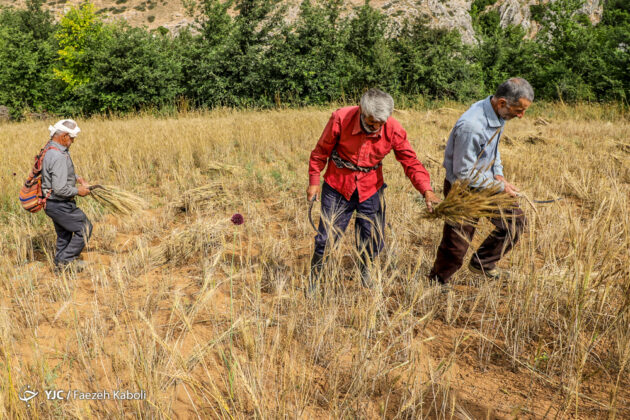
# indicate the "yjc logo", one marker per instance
pixel 55 394
pixel 27 395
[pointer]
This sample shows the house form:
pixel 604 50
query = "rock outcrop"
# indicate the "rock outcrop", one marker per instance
pixel 451 14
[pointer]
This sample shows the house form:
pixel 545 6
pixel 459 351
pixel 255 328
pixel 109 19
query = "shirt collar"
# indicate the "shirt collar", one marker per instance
pixel 494 120
pixel 59 146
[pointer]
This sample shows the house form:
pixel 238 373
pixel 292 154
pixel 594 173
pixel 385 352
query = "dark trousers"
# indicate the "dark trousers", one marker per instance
pixel 73 229
pixel 455 240
pixel 336 213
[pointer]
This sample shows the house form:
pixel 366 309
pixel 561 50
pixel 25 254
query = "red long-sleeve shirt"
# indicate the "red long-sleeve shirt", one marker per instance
pixel 363 149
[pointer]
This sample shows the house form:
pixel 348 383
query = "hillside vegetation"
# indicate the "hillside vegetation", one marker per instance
pixel 248 54
pixel 210 319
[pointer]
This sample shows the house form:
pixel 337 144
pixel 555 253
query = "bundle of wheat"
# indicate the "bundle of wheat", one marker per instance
pixel 201 197
pixel 466 205
pixel 180 245
pixel 118 201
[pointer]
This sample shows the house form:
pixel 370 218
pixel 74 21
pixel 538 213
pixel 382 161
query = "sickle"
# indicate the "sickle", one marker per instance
pixel 547 201
pixel 93 187
pixel 553 200
pixel 310 211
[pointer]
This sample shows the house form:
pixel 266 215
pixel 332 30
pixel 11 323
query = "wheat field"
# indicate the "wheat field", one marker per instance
pixel 210 320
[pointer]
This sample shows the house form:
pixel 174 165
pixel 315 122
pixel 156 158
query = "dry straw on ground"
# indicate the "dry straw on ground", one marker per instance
pixel 211 319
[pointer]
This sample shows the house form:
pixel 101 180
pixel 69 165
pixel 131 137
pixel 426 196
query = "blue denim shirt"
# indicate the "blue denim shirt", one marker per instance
pixel 467 150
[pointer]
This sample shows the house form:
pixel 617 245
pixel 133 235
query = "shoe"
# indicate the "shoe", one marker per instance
pixel 366 279
pixel 78 265
pixel 491 273
pixel 436 281
pixel 364 266
pixel 317 263
pixel 75 265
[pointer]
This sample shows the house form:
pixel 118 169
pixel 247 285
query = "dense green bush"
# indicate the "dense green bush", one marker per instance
pixel 27 53
pixel 256 57
pixel 435 63
pixel 134 69
pixel 307 62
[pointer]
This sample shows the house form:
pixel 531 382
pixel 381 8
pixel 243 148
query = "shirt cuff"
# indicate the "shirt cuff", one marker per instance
pixel 313 179
pixel 424 188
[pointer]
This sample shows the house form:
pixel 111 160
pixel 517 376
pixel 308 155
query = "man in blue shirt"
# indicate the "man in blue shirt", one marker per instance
pixel 472 153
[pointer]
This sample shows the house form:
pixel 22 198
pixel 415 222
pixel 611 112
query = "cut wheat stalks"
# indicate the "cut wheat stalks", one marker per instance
pixel 221 167
pixel 183 243
pixel 466 205
pixel 118 201
pixel 201 197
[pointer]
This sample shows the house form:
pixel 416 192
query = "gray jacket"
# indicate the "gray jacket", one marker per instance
pixel 58 173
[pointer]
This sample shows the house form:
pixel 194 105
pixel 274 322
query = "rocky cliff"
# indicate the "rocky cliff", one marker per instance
pixel 453 14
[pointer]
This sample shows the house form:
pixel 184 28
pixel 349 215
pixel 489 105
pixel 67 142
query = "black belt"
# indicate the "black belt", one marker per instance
pixel 342 163
pixel 61 201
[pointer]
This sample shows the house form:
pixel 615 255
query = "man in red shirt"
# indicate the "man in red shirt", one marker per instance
pixel 353 144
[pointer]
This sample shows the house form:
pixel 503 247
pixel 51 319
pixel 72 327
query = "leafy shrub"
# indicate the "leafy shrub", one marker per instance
pixel 253 56
pixel 27 52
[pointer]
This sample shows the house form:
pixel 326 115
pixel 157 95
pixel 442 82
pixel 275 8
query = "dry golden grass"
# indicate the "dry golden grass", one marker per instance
pixel 211 321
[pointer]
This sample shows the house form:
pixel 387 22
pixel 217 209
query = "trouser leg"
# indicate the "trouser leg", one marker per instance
pixel 452 249
pixel 71 219
pixel 317 263
pixel 370 225
pixel 502 239
pixel 451 252
pixel 336 212
pixel 63 239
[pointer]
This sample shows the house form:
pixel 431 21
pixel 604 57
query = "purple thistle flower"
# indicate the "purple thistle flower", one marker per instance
pixel 237 219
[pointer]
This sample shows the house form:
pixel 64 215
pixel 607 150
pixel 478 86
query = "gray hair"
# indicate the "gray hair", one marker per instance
pixel 514 89
pixel 67 123
pixel 377 104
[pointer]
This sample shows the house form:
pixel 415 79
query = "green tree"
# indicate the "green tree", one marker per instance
pixel 26 57
pixel 135 69
pixel 501 52
pixel 613 34
pixel 567 51
pixel 372 61
pixel 205 57
pixel 80 34
pixel 435 63
pixel 228 67
pixel 257 25
pixel 307 62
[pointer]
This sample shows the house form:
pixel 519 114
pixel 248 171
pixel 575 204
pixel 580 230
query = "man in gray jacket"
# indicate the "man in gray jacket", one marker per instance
pixel 59 184
pixel 472 153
